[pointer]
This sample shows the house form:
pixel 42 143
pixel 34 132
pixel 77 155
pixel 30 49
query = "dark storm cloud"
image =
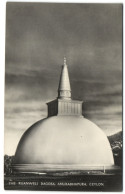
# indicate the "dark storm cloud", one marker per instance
pixel 38 35
pixel 43 33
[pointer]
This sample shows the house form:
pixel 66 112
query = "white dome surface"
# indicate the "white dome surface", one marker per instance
pixel 68 140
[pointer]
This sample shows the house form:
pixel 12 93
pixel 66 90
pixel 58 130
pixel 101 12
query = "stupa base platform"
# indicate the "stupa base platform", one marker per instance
pixel 39 168
pixel 67 180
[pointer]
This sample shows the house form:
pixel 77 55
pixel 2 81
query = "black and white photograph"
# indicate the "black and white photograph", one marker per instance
pixel 63 97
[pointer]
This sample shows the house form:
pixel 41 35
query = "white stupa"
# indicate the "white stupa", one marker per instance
pixel 65 140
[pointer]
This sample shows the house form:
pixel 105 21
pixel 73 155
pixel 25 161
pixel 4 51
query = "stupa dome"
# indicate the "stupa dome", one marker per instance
pixel 65 139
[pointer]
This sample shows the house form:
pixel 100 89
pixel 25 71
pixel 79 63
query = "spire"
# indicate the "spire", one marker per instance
pixel 64 105
pixel 64 90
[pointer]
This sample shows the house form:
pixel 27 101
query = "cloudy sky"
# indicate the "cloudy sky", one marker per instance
pixel 38 35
